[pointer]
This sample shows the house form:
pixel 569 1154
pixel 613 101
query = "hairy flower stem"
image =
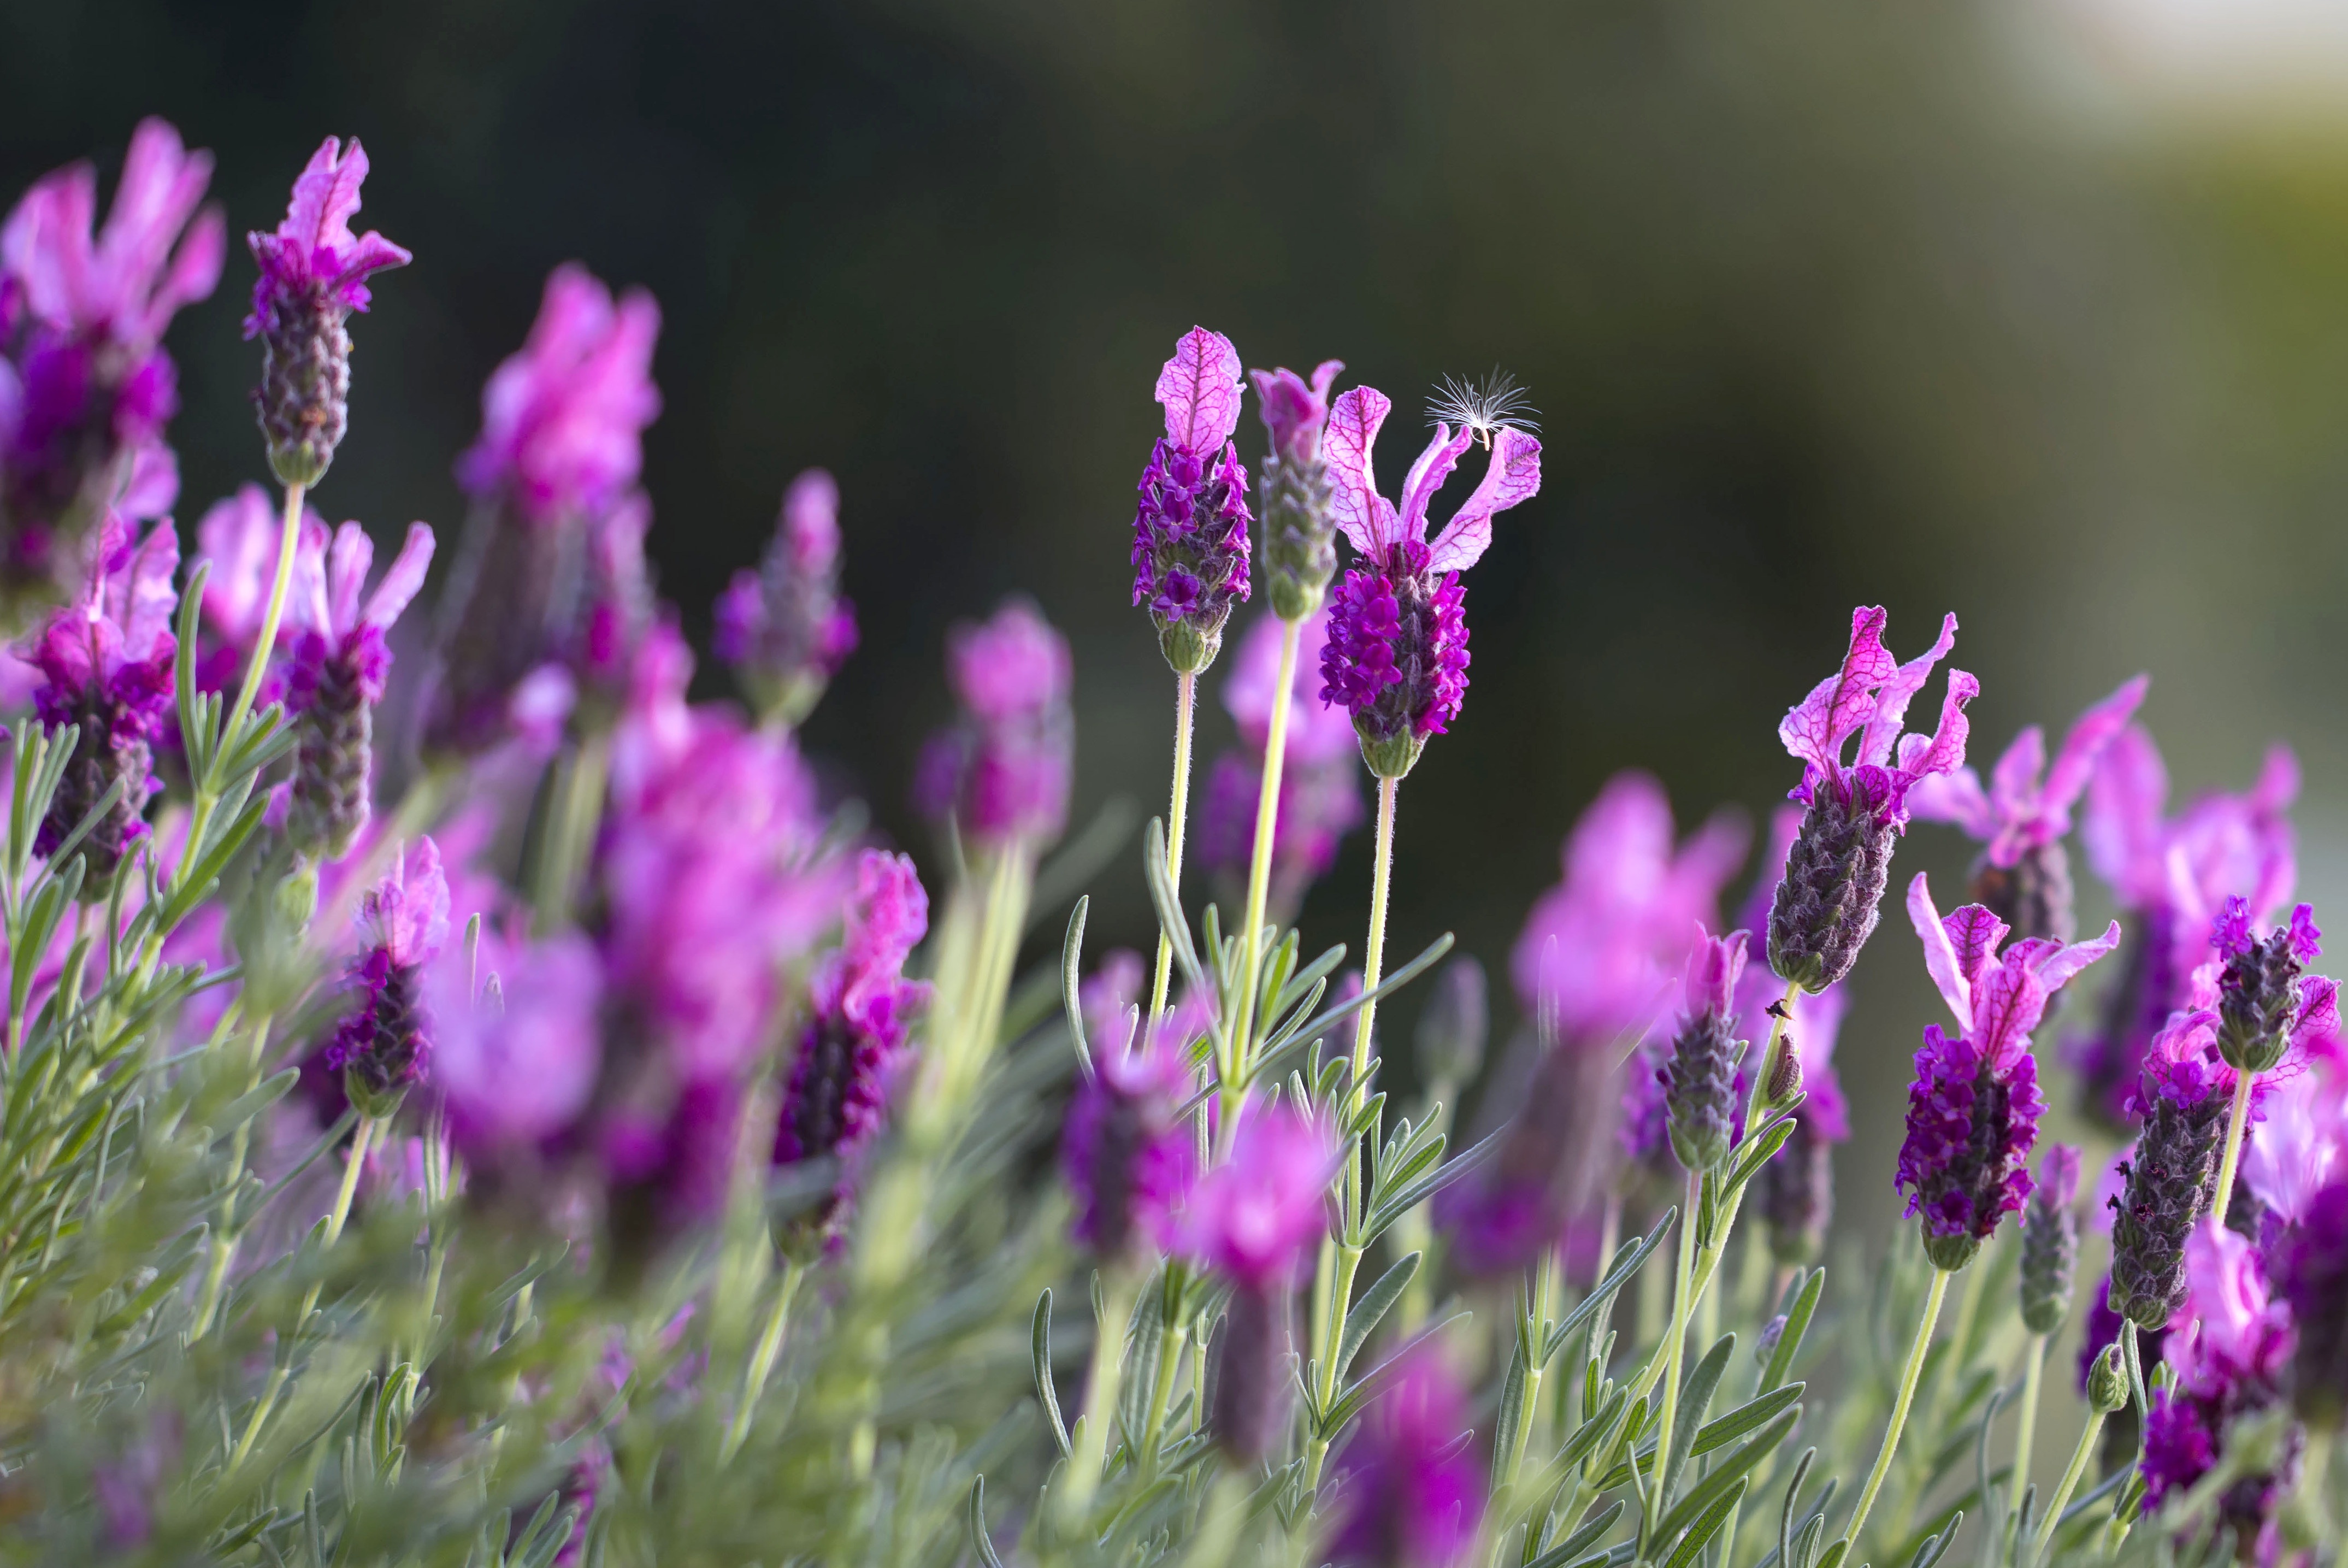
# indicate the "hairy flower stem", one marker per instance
pixel 1675 1345
pixel 2233 1155
pixel 1373 954
pixel 1907 1397
pixel 2069 1483
pixel 2032 1377
pixel 1101 1390
pixel 1267 827
pixel 1161 1394
pixel 1186 702
pixel 289 538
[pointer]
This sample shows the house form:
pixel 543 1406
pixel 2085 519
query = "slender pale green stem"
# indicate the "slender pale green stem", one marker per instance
pixel 1162 1393
pixel 1267 832
pixel 223 1244
pixel 1908 1377
pixel 1084 1475
pixel 1374 955
pixel 1186 702
pixel 2069 1483
pixel 1675 1345
pixel 289 540
pixel 762 1358
pixel 575 809
pixel 2233 1156
pixel 2031 1380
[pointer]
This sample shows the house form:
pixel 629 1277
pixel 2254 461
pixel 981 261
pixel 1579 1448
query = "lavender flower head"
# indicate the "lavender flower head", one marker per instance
pixel 1190 528
pixel 2312 1272
pixel 1397 653
pixel 1001 774
pixel 383 1046
pixel 1320 785
pixel 2171 877
pixel 2184 1095
pixel 85 388
pixel 2265 1003
pixel 106 665
pixel 1300 531
pixel 1411 1493
pixel 1128 1152
pixel 516 1057
pixel 2299 1146
pixel 1973 1109
pixel 1700 1083
pixel 837 1099
pixel 1831 896
pixel 2023 876
pixel 784 627
pixel 2050 1241
pixel 314 273
pixel 335 678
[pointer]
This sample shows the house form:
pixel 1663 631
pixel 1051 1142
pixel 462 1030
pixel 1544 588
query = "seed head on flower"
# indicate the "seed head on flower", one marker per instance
pixel 1191 527
pixel 85 388
pixel 1300 532
pixel 383 1046
pixel 2023 876
pixel 1002 773
pixel 1397 653
pixel 785 628
pixel 1973 1109
pixel 1832 892
pixel 1410 1493
pixel 314 273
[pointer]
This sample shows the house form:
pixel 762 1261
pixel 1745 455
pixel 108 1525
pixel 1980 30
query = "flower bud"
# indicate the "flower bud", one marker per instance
pixel 2050 1241
pixel 1772 1332
pixel 2107 1382
pixel 1797 1196
pixel 1248 1404
pixel 2172 1175
pixel 2258 995
pixel 1299 530
pixel 1700 1081
pixel 1826 904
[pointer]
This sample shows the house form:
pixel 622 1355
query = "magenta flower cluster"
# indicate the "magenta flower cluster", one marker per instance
pixel 1191 527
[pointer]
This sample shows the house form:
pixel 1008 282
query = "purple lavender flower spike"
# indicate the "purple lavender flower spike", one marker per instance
pixel 1129 1154
pixel 2184 1097
pixel 314 273
pixel 1832 892
pixel 2050 1241
pixel 2172 876
pixel 2023 873
pixel 335 678
pixel 1700 1083
pixel 1002 773
pixel 2312 1272
pixel 1973 1109
pixel 785 628
pixel 85 388
pixel 1255 1220
pixel 1190 529
pixel 106 665
pixel 1300 532
pixel 1397 652
pixel 2265 1001
pixel 1411 1493
pixel 384 1047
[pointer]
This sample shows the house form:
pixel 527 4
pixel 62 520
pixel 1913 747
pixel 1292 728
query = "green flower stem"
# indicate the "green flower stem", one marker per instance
pixel 2233 1156
pixel 1170 1340
pixel 1674 1344
pixel 576 806
pixel 1908 1377
pixel 2032 1378
pixel 2069 1483
pixel 1373 954
pixel 1084 1466
pixel 1542 1306
pixel 289 540
pixel 1186 702
pixel 762 1358
pixel 223 1241
pixel 1267 826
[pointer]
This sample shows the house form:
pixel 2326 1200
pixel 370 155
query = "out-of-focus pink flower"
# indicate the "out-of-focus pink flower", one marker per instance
pixel 2301 1145
pixel 520 1047
pixel 334 626
pixel 1295 411
pixel 312 249
pixel 1410 1492
pixel 1003 773
pixel 1128 1154
pixel 383 1046
pixel 784 627
pixel 1258 1216
pixel 2027 806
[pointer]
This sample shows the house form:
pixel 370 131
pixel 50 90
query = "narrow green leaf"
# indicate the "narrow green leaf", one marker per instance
pixel 1072 955
pixel 1570 1549
pixel 1375 1302
pixel 1040 1346
pixel 982 1543
pixel 1510 1414
pixel 1731 1470
pixel 1625 1268
pixel 1695 1397
pixel 1798 1324
pixel 1706 1526
pixel 1168 905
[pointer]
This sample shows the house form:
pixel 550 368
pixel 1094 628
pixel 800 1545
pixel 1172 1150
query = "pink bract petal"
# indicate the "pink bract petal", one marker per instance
pixel 2066 962
pixel 1366 518
pixel 2084 746
pixel 2014 782
pixel 1427 476
pixel 2007 1005
pixel 402 580
pixel 1201 389
pixel 348 562
pixel 1946 748
pixel 1899 688
pixel 1513 476
pixel 1955 798
pixel 1942 961
pixel 2128 792
pixel 1815 728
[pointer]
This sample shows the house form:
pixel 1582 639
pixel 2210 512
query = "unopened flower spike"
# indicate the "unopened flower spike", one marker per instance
pixel 2183 1096
pixel 785 628
pixel 2023 875
pixel 1832 892
pixel 1700 1081
pixel 1001 773
pixel 1191 527
pixel 1300 531
pixel 2050 1241
pixel 1397 652
pixel 335 678
pixel 383 1046
pixel 1128 1152
pixel 2266 1000
pixel 1973 1109
pixel 106 663
pixel 314 273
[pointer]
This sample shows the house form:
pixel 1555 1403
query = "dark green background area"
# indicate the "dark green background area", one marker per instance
pixel 1822 302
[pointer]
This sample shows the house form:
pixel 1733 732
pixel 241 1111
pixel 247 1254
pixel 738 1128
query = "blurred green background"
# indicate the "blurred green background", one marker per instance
pixel 2020 313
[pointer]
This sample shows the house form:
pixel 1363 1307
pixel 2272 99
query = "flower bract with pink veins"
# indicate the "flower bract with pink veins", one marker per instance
pixel 1190 526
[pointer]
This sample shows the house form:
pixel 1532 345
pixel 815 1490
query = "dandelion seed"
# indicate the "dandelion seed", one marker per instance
pixel 1483 406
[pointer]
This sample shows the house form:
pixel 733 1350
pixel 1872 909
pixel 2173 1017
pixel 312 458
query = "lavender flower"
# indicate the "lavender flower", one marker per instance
pixel 2313 1274
pixel 2101 1331
pixel 2050 1241
pixel 836 1100
pixel 335 678
pixel 1411 1494
pixel 383 1046
pixel 2171 877
pixel 2264 1007
pixel 1397 652
pixel 1320 786
pixel 2184 1096
pixel 1973 1110
pixel 2023 876
pixel 106 663
pixel 1699 1084
pixel 314 273
pixel 516 1058
pixel 784 628
pixel 1190 529
pixel 1828 901
pixel 85 388
pixel 1128 1152
pixel 1299 530
pixel 2300 1144
pixel 1002 773
pixel 1255 1220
